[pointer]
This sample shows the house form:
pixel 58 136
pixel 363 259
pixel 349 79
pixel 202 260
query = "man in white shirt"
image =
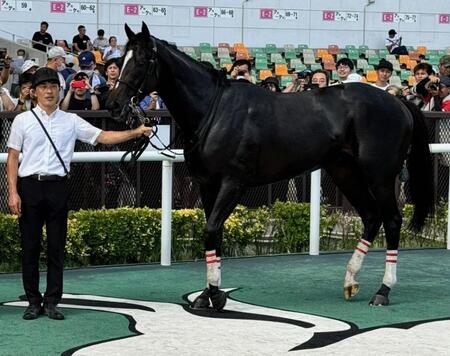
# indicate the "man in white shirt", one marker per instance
pixel 393 43
pixel 55 61
pixel 384 72
pixel 38 189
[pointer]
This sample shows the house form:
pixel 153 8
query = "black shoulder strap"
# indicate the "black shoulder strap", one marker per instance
pixel 51 141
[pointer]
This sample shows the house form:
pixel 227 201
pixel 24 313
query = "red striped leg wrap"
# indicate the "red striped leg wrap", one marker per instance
pixel 355 263
pixel 213 264
pixel 390 273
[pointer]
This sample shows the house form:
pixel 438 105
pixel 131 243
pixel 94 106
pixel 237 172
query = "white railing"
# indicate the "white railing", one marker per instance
pixel 166 194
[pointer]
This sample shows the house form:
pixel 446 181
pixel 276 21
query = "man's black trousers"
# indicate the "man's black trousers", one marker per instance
pixel 43 202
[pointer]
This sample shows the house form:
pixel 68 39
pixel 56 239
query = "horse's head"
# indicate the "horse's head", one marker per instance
pixel 138 76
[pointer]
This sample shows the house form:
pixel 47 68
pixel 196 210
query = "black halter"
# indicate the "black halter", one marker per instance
pixel 136 115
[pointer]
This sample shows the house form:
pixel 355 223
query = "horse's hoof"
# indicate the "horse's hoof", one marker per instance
pixel 218 300
pixel 351 291
pixel 202 301
pixel 379 300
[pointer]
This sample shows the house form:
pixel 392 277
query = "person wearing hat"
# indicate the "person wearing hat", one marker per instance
pixel 393 43
pixel 272 84
pixel 444 65
pixel 38 188
pixel 29 66
pixel 55 61
pixel 86 62
pixel 384 72
pixel 241 70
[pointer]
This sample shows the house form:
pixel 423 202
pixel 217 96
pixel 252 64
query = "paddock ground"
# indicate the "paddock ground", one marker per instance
pixel 289 304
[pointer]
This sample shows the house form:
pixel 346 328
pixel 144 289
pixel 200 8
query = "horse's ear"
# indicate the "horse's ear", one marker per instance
pixel 129 32
pixel 145 31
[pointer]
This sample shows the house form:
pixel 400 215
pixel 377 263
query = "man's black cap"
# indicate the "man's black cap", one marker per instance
pixel 385 64
pixel 43 75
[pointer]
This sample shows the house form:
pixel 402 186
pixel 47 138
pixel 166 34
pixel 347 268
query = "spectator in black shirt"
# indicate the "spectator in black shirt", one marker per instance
pixel 81 41
pixel 77 98
pixel 42 37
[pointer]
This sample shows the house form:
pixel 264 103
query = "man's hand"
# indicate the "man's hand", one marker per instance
pixel 15 204
pixel 143 131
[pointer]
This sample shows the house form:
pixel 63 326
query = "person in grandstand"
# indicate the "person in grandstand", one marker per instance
pixel 41 39
pixel 24 102
pixel 384 71
pixel 81 41
pixel 393 43
pixel 77 98
pixel 444 65
pixel 112 51
pixel 55 61
pixel 272 84
pixel 38 190
pixel 100 42
pixel 240 70
pixel 320 78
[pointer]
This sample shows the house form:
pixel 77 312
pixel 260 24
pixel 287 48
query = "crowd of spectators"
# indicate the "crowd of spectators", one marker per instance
pixel 88 70
pixel 431 91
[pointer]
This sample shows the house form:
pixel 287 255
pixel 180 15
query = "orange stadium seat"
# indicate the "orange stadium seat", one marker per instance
pixel 411 80
pixel 403 59
pixel 241 55
pixel 371 76
pixel 264 73
pixel 421 50
pixel 321 52
pixel 411 64
pixel 281 69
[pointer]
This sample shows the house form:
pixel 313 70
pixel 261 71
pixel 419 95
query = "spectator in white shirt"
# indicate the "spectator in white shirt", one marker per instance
pixel 384 72
pixel 112 51
pixel 393 43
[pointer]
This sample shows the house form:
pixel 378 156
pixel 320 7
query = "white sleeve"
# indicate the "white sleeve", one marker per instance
pixel 15 140
pixel 86 132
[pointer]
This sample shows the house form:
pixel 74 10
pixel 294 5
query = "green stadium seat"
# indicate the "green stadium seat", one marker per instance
pixel 271 48
pixel 300 67
pixel 369 67
pixel 285 80
pixel 374 60
pixel 347 47
pixel 260 63
pixel 316 66
pixel 440 52
pixel 301 47
pixel 433 60
pixel 353 54
pixel 382 53
pixel 405 74
pixel 294 62
pixel 340 56
pixel 261 55
pixel 257 51
pixel 225 60
pixel 289 53
pixel 205 47
pixel 334 75
pixel 362 49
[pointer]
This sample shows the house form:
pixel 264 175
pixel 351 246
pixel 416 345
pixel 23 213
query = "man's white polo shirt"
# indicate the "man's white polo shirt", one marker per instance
pixel 38 155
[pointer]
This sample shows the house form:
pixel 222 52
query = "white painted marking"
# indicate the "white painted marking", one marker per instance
pixel 128 56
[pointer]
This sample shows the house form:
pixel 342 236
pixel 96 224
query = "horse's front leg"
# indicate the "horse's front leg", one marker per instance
pixel 229 194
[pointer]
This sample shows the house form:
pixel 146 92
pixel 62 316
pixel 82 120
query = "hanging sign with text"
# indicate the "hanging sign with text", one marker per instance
pixel 214 12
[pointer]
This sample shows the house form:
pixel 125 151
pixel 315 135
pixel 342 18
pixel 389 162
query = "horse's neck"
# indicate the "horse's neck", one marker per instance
pixel 186 88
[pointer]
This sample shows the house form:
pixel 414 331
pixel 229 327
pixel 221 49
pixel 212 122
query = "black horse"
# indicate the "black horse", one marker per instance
pixel 240 135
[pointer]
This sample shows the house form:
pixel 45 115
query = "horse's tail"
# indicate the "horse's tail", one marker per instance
pixel 419 165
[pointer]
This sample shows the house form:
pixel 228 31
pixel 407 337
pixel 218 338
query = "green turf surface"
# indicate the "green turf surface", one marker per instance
pixel 296 282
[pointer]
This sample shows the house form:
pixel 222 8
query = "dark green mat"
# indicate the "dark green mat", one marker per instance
pixel 297 282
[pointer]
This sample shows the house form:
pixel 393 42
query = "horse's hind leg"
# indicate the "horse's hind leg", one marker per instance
pixel 349 178
pixel 392 222
pixel 227 198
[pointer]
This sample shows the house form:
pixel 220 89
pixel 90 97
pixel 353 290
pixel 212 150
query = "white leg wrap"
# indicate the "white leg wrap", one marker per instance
pixel 390 273
pixel 355 263
pixel 213 264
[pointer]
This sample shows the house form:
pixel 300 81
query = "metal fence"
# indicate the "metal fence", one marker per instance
pixel 110 185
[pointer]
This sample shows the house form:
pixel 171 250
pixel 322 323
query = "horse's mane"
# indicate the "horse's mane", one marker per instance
pixel 220 75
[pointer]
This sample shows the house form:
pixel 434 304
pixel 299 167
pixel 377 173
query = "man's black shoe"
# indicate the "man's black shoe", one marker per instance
pixel 32 312
pixel 53 312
